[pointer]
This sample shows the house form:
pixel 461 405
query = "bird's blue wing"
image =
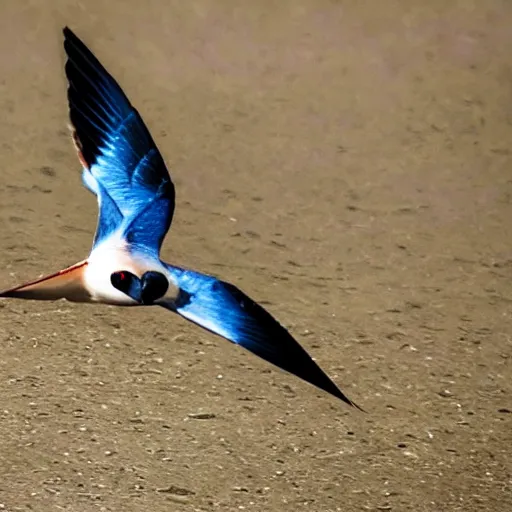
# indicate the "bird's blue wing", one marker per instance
pixel 223 309
pixel 147 227
pixel 109 217
pixel 115 147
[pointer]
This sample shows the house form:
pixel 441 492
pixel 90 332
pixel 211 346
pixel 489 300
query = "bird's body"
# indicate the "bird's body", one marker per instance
pixel 106 260
pixel 124 169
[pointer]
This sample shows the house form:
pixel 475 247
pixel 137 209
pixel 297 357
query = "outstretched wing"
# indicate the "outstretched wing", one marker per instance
pixel 122 164
pixel 223 309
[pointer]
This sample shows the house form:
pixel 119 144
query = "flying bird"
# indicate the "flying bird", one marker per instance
pixel 124 169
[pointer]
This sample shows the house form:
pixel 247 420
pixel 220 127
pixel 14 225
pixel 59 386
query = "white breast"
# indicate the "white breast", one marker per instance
pixel 103 262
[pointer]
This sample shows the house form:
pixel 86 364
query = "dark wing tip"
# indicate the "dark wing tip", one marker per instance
pixel 73 44
pixel 96 102
pixel 72 39
pixel 68 33
pixel 263 335
pixel 347 400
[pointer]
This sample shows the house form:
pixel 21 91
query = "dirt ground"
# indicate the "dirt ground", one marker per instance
pixel 345 163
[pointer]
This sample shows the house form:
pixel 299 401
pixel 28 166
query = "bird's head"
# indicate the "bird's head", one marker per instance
pixel 144 290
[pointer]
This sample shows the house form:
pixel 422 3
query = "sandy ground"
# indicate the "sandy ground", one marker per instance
pixel 345 163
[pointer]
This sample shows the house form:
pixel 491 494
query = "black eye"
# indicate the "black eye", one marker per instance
pixel 122 280
pixel 154 286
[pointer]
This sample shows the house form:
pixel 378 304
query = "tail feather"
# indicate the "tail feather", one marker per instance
pixel 65 284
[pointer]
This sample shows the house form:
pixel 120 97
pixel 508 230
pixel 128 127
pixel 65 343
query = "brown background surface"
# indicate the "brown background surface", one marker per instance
pixel 346 163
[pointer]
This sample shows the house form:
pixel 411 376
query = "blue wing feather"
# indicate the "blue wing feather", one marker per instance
pixel 223 309
pixel 146 230
pixel 109 217
pixel 115 146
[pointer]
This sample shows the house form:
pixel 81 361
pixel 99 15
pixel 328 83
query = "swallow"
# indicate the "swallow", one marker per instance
pixel 123 167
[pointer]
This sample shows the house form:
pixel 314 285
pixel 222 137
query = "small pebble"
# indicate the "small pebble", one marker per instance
pixel 201 416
